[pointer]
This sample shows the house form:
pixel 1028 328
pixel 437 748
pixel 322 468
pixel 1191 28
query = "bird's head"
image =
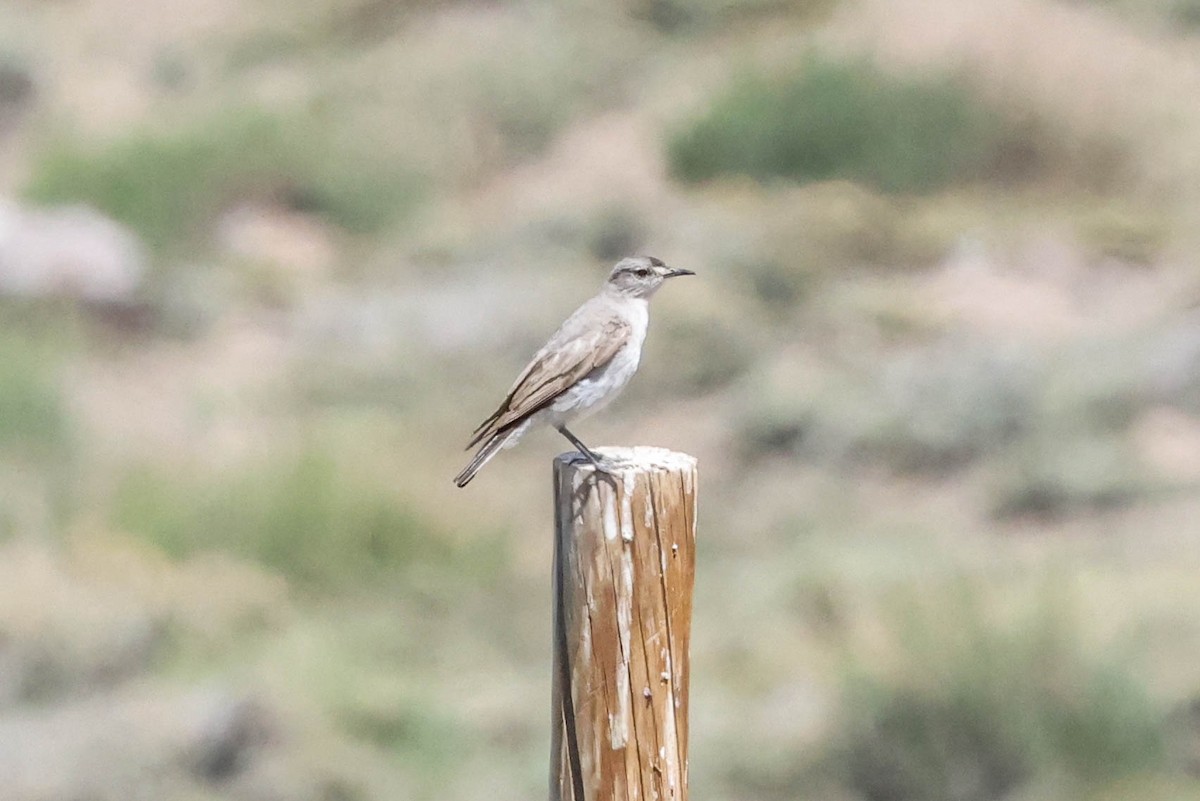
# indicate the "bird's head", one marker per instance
pixel 640 276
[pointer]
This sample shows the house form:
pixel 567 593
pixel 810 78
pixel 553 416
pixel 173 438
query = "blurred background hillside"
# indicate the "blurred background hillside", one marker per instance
pixel 264 264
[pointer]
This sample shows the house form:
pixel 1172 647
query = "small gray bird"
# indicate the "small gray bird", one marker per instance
pixel 587 362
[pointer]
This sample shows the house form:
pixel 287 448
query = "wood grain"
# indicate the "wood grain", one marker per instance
pixel 624 568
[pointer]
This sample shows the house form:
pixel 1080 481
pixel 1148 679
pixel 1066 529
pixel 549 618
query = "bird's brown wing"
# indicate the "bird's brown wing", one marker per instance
pixel 568 357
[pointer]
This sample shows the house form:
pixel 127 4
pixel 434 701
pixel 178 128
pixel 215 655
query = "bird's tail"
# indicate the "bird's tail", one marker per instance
pixel 483 456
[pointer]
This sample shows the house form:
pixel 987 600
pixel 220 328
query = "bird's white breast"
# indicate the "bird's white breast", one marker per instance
pixel 594 392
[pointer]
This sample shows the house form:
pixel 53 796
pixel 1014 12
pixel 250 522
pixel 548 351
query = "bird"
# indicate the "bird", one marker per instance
pixel 584 365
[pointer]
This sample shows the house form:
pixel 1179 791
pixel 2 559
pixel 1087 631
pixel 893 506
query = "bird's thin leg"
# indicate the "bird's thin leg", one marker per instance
pixel 587 453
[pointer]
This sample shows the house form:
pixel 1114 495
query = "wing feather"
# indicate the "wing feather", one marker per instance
pixel 573 352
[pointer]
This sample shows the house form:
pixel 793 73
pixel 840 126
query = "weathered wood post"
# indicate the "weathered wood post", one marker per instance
pixel 624 566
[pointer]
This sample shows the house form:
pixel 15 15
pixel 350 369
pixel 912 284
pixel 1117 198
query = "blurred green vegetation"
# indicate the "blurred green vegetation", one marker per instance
pixel 909 133
pixel 171 185
pixel 843 120
pixel 974 709
pixel 1186 14
pixel 1132 236
pixel 38 435
pixel 1179 16
pixel 678 16
pixel 1059 473
pixel 930 408
pixel 322 524
pixel 33 418
pixel 1051 430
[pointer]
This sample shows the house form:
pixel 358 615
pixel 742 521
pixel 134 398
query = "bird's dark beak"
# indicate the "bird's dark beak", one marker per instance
pixel 672 273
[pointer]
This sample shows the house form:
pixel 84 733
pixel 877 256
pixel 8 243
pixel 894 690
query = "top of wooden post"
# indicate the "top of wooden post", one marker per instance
pixel 636 459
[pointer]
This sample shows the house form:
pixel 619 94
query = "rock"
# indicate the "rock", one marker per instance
pixel 143 742
pixel 226 738
pixel 17 94
pixel 71 251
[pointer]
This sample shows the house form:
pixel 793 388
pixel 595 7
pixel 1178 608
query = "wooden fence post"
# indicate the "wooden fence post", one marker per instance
pixel 624 566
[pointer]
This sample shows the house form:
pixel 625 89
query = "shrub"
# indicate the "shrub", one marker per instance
pixel 929 409
pixel 692 15
pixel 1137 238
pixel 1185 14
pixel 170 186
pixel 37 454
pixel 1057 474
pixel 33 418
pixel 303 517
pixel 842 120
pixel 614 233
pixel 699 356
pixel 978 709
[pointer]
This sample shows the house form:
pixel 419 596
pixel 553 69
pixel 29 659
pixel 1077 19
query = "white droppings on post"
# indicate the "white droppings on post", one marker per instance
pixel 618 721
pixel 628 484
pixel 618 731
pixel 610 521
pixel 625 602
pixel 644 456
pixel 593 770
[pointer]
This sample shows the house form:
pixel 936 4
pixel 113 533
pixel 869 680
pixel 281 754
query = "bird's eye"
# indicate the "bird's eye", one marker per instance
pixel 641 272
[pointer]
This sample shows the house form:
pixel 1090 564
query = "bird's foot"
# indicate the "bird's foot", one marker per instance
pixel 598 461
pixel 604 471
